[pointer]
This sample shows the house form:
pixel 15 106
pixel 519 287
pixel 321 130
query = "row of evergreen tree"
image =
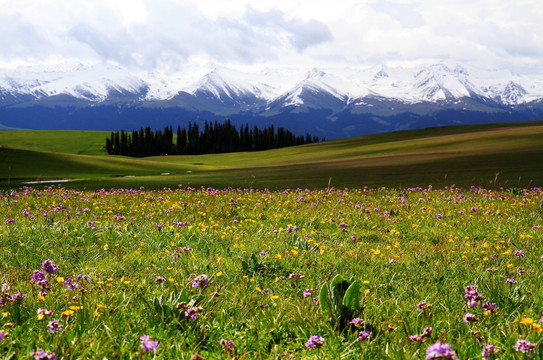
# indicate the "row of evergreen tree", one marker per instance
pixel 213 138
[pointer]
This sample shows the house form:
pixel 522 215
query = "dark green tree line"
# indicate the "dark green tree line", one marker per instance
pixel 213 138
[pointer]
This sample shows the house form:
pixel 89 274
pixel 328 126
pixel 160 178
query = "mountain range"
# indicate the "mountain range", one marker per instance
pixel 326 103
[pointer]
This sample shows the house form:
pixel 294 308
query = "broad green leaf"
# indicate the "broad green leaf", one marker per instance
pixel 352 296
pixel 324 299
pixel 335 281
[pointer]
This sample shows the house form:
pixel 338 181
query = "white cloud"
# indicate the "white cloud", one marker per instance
pixel 150 34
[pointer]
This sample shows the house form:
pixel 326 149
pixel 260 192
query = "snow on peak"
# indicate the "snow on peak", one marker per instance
pixel 435 82
pixel 93 83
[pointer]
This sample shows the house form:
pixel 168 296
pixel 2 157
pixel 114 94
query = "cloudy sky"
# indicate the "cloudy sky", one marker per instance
pixel 168 34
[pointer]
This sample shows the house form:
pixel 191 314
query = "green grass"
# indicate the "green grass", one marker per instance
pixel 496 154
pixel 261 250
pixel 63 141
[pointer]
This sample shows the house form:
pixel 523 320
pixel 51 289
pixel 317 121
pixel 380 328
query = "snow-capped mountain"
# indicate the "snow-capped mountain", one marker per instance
pixel 345 97
pixel 96 83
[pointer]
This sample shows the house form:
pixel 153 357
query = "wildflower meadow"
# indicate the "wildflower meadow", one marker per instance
pixel 185 273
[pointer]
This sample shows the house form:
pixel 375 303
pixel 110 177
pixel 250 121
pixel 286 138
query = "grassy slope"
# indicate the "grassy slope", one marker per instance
pixel 462 155
pixel 63 141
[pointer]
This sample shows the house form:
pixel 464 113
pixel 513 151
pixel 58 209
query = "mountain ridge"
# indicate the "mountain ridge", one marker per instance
pixel 344 102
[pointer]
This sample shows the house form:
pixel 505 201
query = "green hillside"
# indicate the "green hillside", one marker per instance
pixel 63 141
pixel 487 155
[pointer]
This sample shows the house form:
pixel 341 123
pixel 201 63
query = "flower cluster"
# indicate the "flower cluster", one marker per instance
pixel 200 281
pixel 315 342
pixel 41 354
pixel 439 351
pixel 426 332
pixel 148 344
pixel 524 346
pixel 490 350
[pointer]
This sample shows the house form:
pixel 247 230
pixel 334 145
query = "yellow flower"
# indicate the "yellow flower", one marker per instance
pixel 60 279
pixel 527 321
pixel 219 274
pixel 5 314
pixel 278 256
pixel 67 313
pixel 40 316
pixel 537 328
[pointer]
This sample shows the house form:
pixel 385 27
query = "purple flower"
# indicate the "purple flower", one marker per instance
pixel 263 253
pixel 490 350
pixel 427 331
pixel 438 216
pixel 296 275
pixel 159 279
pixel 423 306
pixel 488 306
pixel 70 284
pixel 472 295
pixel 440 351
pixel 308 293
pixel 84 277
pixel 416 337
pixel 315 342
pixel 519 253
pixel 10 221
pixel 524 346
pixel 49 266
pixel 193 312
pixel 357 321
pixel 2 335
pixel 38 277
pixel 41 354
pixel 510 281
pixel 54 326
pixel 228 344
pixel 159 227
pixel 469 317
pixel 147 344
pixel 474 209
pixel 44 312
pixel 200 281
pixel 363 336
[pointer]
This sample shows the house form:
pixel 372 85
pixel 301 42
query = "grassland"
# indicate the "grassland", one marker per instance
pixel 498 155
pixel 210 274
pixel 170 271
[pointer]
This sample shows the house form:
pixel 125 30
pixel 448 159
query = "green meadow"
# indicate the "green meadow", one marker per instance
pixel 423 244
pixel 497 154
pixel 185 273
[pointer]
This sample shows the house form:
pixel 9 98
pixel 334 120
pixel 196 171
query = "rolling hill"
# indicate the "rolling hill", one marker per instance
pixel 481 155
